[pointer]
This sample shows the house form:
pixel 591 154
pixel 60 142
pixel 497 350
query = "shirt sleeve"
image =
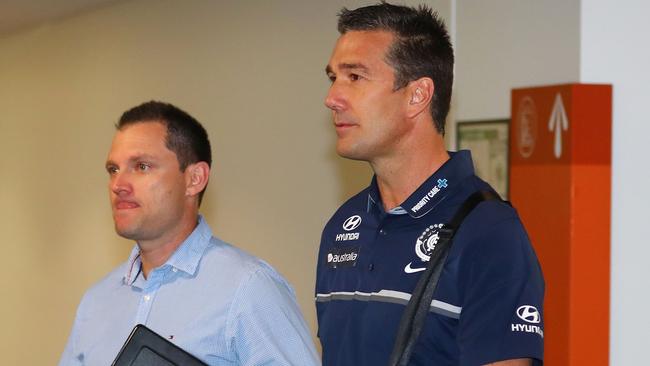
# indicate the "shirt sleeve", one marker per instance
pixel 71 356
pixel 265 325
pixel 503 294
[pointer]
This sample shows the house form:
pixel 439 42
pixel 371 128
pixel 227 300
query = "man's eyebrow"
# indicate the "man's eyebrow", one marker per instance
pixel 139 157
pixel 134 158
pixel 348 67
pixel 357 66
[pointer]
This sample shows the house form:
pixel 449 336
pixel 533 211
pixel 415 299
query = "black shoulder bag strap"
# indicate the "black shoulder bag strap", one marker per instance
pixel 416 310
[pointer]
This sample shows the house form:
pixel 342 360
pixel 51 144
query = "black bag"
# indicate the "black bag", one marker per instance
pixel 416 310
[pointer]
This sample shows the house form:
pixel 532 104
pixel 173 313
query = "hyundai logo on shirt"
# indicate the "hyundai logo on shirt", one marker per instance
pixel 528 314
pixel 352 223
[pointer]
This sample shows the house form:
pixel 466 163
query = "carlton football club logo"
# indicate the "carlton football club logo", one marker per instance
pixel 424 247
pixel 426 242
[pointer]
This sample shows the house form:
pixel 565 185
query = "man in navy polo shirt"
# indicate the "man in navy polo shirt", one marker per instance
pixel 391 72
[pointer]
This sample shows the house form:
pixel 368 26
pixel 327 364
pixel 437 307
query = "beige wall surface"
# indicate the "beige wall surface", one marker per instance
pixel 251 71
pixel 512 43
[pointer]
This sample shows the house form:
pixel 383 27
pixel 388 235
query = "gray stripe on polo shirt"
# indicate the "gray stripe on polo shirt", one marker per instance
pixel 393 297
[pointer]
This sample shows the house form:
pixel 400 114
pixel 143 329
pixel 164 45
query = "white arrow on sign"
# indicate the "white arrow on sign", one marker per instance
pixel 558 123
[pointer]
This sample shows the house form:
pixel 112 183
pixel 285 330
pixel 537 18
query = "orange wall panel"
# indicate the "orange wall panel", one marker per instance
pixel 560 182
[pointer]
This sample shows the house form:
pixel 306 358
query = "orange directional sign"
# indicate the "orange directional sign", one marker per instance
pixel 560 182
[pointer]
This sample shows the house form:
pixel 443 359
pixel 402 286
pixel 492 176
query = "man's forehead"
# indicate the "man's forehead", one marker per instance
pixel 354 49
pixel 365 38
pixel 144 125
pixel 139 138
pixel 146 130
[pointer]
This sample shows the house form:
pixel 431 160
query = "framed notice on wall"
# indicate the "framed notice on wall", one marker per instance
pixel 488 142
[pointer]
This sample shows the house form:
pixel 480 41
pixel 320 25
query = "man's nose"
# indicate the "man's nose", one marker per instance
pixel 335 99
pixel 120 183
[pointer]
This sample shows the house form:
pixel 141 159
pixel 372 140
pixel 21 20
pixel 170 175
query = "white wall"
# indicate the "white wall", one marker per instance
pixel 615 49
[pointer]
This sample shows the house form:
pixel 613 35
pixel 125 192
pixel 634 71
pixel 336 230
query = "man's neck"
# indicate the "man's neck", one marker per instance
pixel 399 176
pixel 154 253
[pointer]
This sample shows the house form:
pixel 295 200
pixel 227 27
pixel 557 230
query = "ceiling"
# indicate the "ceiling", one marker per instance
pixel 16 15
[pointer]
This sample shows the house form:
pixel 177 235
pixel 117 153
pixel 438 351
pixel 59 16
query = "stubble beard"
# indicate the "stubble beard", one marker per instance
pixel 129 230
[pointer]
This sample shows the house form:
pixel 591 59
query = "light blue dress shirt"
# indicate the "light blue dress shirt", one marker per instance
pixel 215 301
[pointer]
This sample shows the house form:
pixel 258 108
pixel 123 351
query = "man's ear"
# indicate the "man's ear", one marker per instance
pixel 196 178
pixel 420 92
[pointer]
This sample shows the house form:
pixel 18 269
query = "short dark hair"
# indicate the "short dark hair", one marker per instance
pixel 186 137
pixel 422 47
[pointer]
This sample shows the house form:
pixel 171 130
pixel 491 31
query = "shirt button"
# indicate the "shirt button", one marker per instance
pixel 371 267
pixel 382 232
pixel 174 269
pixel 146 297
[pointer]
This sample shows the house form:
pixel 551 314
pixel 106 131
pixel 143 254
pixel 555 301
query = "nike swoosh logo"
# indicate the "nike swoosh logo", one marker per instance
pixel 409 269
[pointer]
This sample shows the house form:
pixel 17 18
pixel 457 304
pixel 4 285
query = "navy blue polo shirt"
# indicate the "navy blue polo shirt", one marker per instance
pixel 488 303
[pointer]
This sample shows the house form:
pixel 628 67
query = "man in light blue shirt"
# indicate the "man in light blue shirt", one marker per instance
pixel 220 304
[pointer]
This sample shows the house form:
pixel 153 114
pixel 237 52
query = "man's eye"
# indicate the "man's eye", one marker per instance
pixel 143 166
pixel 332 77
pixel 111 170
pixel 354 77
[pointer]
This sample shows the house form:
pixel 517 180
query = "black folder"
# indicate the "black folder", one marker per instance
pixel 144 347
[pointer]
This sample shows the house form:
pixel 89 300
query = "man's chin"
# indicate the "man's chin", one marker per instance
pixel 350 154
pixel 127 232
